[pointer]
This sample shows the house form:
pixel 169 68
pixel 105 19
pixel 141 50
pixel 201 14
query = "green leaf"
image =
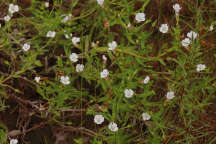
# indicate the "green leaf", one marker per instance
pixel 38 63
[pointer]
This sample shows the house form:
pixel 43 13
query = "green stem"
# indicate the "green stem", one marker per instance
pixel 105 49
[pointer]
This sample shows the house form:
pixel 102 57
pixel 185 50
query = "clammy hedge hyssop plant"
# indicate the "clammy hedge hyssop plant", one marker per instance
pixel 107 72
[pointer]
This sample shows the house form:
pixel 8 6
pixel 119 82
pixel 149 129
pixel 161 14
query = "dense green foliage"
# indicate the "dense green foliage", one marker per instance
pixel 142 50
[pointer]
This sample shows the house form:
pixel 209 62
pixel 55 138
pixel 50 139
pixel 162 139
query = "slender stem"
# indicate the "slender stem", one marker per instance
pixel 105 49
pixel 11 76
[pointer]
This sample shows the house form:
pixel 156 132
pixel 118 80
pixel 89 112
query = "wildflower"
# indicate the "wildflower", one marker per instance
pixel 104 73
pixel 37 79
pixel 13 8
pixel 93 44
pixel 46 4
pixel 13 141
pixel 128 93
pixel 65 19
pixel 129 25
pixel 113 127
pixel 112 45
pixel 211 28
pixel 146 116
pixel 192 35
pixel 200 67
pixel 73 57
pixel 51 34
pixel 186 42
pixel 146 80
pixel 26 47
pixel 79 67
pixel 68 36
pixel 177 8
pixel 104 58
pixel 7 18
pixel 100 2
pixel 65 80
pixel 75 40
pixel 170 95
pixel 98 119
pixel 140 17
pixel 164 28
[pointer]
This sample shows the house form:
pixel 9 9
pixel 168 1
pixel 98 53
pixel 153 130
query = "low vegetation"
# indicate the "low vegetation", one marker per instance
pixel 107 72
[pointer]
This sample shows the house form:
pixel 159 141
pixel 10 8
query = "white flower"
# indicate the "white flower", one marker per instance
pixel 51 34
pixel 7 18
pixel 164 28
pixel 113 127
pixel 75 40
pixel 128 93
pixel 112 45
pixel 68 36
pixel 200 67
pixel 170 95
pixel 13 8
pixel 79 67
pixel 186 42
pixel 192 35
pixel 93 44
pixel 211 28
pixel 26 47
pixel 73 57
pixel 177 8
pixel 65 80
pixel 140 17
pixel 146 116
pixel 100 2
pixel 98 119
pixel 0 25
pixel 104 58
pixel 129 25
pixel 104 73
pixel 146 80
pixel 46 4
pixel 37 79
pixel 13 141
pixel 65 19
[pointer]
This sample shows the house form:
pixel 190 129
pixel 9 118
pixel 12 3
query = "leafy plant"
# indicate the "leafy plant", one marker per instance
pixel 146 67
